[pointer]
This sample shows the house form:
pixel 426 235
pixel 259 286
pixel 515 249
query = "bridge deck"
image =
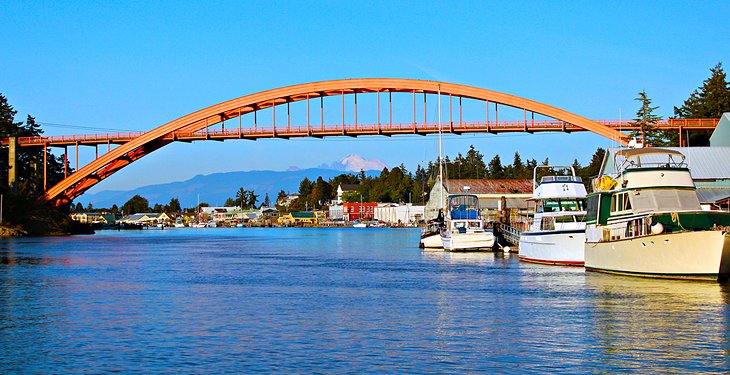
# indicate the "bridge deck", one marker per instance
pixel 355 130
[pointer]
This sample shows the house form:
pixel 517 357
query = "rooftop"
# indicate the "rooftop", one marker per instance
pixel 477 186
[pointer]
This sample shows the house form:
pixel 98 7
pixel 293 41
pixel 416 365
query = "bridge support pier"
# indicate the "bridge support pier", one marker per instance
pixel 12 162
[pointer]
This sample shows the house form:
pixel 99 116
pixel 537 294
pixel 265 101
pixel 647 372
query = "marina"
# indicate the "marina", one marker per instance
pixel 365 188
pixel 337 300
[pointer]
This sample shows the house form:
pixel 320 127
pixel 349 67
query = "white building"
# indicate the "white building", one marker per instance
pixel 345 188
pixel 399 214
pixel 336 212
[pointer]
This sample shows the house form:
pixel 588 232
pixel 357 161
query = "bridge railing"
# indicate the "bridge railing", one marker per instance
pixel 77 138
pixel 335 129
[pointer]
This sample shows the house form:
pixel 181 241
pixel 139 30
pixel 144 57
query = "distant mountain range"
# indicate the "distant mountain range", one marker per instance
pixel 214 188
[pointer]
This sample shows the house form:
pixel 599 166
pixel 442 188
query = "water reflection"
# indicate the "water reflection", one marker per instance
pixel 681 325
pixel 336 300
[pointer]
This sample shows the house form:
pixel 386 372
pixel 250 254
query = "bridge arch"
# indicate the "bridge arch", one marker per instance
pixel 104 166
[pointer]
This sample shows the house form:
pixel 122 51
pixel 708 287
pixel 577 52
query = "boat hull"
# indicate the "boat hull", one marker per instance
pixel 483 241
pixel 565 248
pixel 432 241
pixel 697 255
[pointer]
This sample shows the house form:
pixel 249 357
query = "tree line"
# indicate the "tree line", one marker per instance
pixel 710 100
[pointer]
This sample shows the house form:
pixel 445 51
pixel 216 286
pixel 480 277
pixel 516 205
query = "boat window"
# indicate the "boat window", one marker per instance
pixel 565 219
pixel 620 202
pixel 547 223
pixel 550 205
pixel 592 207
pixel 572 205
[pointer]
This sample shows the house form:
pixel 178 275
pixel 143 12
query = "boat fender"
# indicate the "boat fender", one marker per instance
pixel 657 228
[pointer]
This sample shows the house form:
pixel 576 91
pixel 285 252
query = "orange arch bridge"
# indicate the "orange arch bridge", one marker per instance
pixel 196 125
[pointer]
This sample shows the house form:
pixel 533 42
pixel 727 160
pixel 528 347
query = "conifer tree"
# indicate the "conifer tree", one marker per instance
pixel 710 100
pixel 646 120
pixel 496 170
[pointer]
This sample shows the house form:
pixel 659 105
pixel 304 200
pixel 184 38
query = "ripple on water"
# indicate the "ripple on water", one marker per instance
pixel 334 301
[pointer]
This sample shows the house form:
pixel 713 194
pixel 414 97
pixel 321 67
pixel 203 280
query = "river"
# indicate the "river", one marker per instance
pixel 336 301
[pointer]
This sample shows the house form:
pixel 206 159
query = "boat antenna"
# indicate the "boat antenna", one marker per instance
pixel 441 146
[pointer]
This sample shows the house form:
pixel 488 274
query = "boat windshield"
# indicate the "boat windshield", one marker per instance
pixel 463 206
pixel 556 205
pixel 649 158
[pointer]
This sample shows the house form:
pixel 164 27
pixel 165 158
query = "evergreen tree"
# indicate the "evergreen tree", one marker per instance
pixel 230 202
pixel 474 166
pixel 305 187
pixel 496 170
pixel 29 160
pixel 518 168
pixel 79 207
pixel 174 206
pixel 136 204
pixel 240 200
pixel 646 120
pixel 281 195
pixel 576 166
pixel 114 209
pixel 710 100
pixel 267 200
pixel 593 168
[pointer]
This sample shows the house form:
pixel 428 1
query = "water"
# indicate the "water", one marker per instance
pixel 336 301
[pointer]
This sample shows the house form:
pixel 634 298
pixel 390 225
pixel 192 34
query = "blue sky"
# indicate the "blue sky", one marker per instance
pixel 137 65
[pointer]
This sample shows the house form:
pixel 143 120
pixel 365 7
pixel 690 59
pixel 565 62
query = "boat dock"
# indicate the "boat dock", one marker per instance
pixel 508 233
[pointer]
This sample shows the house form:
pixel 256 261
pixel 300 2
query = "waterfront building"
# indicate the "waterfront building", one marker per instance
pixel 489 192
pixel 86 217
pixel 336 212
pixel 298 218
pixel 147 218
pixel 359 210
pixel 399 214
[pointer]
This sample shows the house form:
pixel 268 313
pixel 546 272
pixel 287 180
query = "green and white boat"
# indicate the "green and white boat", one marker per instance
pixel 644 219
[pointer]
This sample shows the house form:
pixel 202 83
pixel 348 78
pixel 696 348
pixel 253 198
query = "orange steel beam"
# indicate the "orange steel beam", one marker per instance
pixel 109 163
pixel 387 129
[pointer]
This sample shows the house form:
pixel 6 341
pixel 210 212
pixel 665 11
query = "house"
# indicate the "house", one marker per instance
pixel 300 218
pixel 489 192
pixel 286 201
pixel 109 218
pixel 86 217
pixel 343 189
pixel 358 210
pixel 147 218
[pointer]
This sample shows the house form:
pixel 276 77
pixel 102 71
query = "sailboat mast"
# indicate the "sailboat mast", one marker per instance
pixel 441 146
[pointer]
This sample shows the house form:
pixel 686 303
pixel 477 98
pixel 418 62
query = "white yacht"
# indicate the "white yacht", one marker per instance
pixel 556 235
pixel 464 229
pixel 644 219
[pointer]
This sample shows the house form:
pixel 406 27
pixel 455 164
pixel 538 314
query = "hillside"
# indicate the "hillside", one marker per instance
pixel 214 188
